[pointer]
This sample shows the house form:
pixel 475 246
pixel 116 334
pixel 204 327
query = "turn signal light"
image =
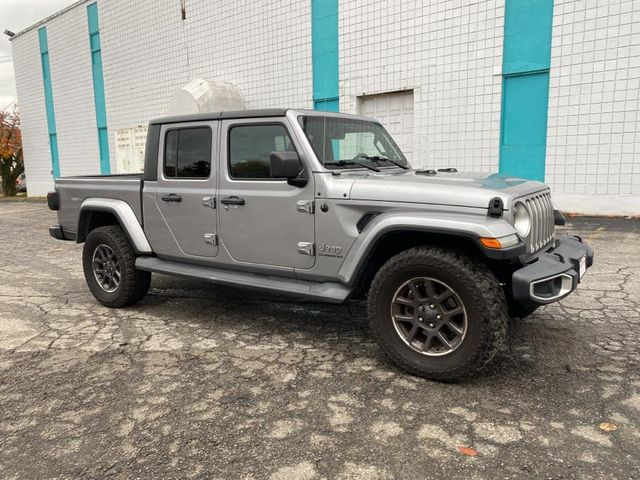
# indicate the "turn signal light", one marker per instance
pixel 498 243
pixel 490 242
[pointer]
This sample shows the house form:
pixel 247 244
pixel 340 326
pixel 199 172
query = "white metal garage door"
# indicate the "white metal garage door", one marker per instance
pixel 395 112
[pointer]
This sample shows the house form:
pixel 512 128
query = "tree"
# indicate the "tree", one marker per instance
pixel 11 161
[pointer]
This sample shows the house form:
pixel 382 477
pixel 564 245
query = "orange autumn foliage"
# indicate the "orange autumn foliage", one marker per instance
pixel 11 161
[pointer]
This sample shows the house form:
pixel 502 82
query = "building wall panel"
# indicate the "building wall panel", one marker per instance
pixel 449 53
pixel 593 145
pixel 70 58
pixel 149 52
pixel 30 92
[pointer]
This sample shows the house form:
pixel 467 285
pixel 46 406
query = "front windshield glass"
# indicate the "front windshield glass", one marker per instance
pixel 346 142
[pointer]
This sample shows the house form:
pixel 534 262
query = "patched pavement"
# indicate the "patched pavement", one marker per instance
pixel 205 381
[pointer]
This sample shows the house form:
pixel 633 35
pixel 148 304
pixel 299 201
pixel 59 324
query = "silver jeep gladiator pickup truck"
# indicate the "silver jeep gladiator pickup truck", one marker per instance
pixel 325 206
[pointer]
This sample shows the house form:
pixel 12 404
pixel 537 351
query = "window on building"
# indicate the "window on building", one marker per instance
pixel 250 148
pixel 187 153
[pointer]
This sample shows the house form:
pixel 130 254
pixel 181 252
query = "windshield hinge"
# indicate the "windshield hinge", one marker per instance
pixel 306 206
pixel 495 207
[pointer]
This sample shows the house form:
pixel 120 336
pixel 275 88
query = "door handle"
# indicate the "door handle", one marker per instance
pixel 232 201
pixel 172 197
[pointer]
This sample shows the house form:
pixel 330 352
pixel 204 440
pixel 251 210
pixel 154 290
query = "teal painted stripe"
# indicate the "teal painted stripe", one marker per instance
pixel 324 53
pixel 527 36
pixel 98 88
pixel 524 125
pixel 525 89
pixel 328 105
pixel 48 101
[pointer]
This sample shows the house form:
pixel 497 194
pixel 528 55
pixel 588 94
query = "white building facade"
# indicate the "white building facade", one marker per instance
pixel 542 89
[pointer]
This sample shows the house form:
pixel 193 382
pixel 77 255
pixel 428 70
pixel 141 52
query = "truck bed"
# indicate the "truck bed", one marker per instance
pixel 73 190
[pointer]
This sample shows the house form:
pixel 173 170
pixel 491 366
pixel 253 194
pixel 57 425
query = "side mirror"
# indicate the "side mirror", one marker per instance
pixel 287 165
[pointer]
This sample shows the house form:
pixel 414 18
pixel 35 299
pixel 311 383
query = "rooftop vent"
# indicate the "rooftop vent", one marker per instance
pixel 200 96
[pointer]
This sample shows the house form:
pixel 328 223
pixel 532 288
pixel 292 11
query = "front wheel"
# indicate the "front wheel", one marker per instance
pixel 437 313
pixel 108 261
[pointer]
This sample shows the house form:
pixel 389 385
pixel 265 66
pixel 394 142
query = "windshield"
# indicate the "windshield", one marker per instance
pixel 347 142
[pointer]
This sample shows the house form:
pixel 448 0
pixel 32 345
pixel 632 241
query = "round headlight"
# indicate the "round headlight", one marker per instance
pixel 522 219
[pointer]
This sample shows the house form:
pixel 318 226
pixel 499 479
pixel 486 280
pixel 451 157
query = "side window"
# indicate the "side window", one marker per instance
pixel 250 148
pixel 187 153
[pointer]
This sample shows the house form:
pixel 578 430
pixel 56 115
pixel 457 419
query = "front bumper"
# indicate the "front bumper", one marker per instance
pixel 554 275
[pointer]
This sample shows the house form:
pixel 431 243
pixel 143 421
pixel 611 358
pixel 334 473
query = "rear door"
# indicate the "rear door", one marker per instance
pixel 185 194
pixel 263 221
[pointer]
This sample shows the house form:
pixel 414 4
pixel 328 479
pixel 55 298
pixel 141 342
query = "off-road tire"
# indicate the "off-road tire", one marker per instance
pixel 476 286
pixel 521 311
pixel 134 283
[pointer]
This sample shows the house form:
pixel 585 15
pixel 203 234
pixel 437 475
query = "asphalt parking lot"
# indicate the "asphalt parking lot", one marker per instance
pixel 210 382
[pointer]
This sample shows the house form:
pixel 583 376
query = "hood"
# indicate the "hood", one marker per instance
pixel 443 188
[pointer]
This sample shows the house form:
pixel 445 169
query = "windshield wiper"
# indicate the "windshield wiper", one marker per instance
pixel 380 158
pixel 344 163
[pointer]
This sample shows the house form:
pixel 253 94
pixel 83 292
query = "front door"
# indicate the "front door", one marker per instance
pixel 185 195
pixel 263 220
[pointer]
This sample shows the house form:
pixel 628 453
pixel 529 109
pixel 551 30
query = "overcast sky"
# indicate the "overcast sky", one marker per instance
pixel 16 15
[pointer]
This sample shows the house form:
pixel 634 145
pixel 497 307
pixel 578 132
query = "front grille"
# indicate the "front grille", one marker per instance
pixel 542 223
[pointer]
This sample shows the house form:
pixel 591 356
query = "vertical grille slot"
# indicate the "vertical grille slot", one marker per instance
pixel 542 223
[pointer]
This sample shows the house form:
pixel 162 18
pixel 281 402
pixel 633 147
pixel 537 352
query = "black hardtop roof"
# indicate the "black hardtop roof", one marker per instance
pixel 198 117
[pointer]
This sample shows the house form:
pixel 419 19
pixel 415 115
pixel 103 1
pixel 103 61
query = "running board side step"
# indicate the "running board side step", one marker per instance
pixel 321 291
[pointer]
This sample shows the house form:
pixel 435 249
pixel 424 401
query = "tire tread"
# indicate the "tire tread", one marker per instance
pixel 134 283
pixel 486 292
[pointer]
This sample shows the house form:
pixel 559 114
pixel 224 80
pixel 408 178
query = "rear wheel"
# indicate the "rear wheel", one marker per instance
pixel 437 313
pixel 108 261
